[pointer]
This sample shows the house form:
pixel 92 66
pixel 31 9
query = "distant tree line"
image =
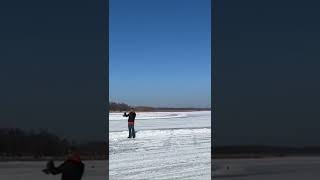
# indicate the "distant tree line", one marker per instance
pixel 17 142
pixel 264 150
pixel 113 106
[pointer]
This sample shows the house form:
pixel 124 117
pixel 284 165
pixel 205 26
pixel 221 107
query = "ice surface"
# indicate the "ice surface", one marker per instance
pixel 293 168
pixel 161 120
pixel 94 170
pixel 168 145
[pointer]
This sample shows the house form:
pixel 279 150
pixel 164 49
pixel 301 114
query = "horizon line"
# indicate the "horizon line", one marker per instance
pixel 151 106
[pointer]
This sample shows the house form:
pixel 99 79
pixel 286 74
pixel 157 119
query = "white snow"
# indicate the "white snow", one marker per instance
pixel 161 120
pixel 168 145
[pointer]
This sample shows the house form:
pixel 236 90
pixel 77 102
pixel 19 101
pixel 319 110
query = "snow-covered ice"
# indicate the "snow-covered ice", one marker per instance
pixel 293 168
pixel 162 120
pixel 31 170
pixel 168 145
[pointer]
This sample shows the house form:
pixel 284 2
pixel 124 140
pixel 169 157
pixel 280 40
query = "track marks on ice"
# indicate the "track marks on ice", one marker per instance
pixel 161 154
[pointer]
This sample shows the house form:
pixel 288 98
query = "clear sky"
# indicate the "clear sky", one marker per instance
pixel 160 52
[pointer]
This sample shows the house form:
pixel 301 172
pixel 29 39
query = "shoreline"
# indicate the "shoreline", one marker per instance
pixel 173 110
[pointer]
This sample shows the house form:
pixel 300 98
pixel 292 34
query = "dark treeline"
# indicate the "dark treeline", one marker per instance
pixel 36 144
pixel 264 150
pixel 113 106
pixel 179 109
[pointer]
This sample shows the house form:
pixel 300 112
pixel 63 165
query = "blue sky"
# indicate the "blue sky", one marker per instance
pixel 160 52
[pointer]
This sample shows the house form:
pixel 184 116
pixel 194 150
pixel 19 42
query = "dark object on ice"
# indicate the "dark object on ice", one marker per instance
pixel 132 116
pixel 49 166
pixel 71 169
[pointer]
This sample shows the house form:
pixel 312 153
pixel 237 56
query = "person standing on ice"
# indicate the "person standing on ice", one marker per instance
pixel 131 117
pixel 71 169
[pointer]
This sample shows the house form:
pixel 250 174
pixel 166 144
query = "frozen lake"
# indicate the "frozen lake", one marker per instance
pixel 94 170
pixel 293 168
pixel 162 120
pixel 168 145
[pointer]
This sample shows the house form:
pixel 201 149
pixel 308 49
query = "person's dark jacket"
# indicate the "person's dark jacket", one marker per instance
pixel 70 169
pixel 131 115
